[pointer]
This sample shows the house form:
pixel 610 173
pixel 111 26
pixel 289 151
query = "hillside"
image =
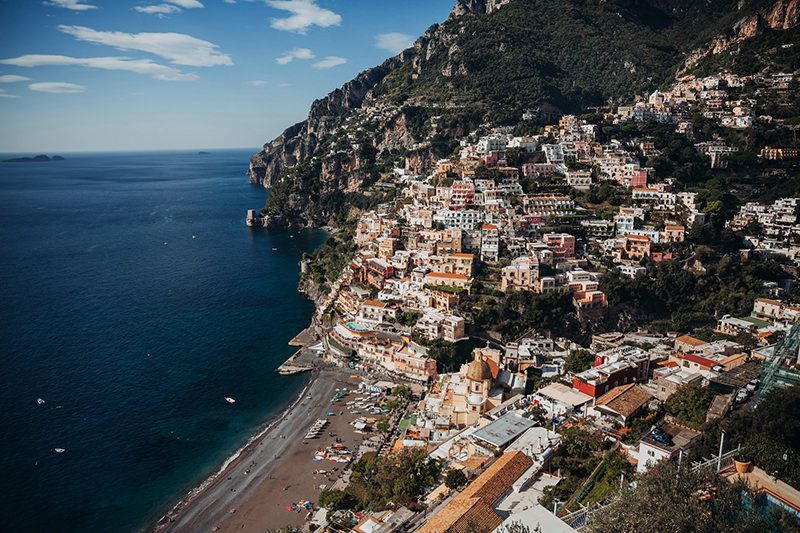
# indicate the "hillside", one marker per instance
pixel 488 63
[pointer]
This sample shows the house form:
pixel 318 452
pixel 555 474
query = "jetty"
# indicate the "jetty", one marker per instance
pixel 294 365
pixel 304 338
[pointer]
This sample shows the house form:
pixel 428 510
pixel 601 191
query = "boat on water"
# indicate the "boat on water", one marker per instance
pixel 59 450
pixel 39 401
pixel 230 400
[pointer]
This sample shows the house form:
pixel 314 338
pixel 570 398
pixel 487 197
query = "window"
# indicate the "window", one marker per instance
pixel 651 453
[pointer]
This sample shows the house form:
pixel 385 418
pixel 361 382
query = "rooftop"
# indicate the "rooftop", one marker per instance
pixel 544 519
pixel 691 341
pixel 445 275
pixel 681 436
pixel 625 399
pixel 504 430
pixel 472 509
pixel 563 394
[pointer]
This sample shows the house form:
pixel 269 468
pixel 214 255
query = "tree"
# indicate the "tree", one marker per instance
pixel 409 318
pixel 771 433
pixel 669 499
pixel 334 499
pixel 579 360
pixel 402 392
pixel 455 479
pixel 689 404
pixel 400 478
pixel 382 425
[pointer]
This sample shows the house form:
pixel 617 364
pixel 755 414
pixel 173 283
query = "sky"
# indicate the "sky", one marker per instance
pixel 112 75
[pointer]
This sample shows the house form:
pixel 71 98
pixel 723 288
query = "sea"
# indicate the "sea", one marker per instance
pixel 134 301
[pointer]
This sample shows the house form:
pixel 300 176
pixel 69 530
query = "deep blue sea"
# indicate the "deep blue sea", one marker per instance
pixel 134 300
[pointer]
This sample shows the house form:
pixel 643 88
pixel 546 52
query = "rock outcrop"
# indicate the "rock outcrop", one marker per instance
pixel 483 7
pixel 777 15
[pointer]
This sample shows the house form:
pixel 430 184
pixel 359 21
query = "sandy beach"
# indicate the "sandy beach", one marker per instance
pixel 251 493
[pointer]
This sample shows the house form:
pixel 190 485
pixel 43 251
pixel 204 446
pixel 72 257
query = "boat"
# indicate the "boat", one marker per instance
pixel 59 450
pixel 39 401
pixel 274 249
pixel 194 236
pixel 230 400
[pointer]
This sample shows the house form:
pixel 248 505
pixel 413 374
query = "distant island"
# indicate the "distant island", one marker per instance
pixel 36 159
pixel 203 153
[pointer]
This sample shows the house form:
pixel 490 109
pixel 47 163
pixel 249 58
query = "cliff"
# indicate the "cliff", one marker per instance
pixel 759 17
pixel 488 63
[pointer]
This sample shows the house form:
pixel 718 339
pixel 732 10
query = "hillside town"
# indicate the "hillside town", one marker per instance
pixel 447 294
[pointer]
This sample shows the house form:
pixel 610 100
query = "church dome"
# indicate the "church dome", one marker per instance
pixel 478 370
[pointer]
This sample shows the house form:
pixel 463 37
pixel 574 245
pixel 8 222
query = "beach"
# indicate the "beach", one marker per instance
pixel 252 490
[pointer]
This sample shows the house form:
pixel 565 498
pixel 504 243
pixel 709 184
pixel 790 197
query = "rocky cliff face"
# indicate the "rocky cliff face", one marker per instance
pixel 774 15
pixel 483 7
pixel 300 141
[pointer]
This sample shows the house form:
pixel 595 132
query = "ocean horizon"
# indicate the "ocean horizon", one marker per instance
pixel 135 301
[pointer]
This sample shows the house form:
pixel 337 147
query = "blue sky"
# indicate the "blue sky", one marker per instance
pixel 86 75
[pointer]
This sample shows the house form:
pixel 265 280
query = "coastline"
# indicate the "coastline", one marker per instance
pixel 168 520
pixel 252 489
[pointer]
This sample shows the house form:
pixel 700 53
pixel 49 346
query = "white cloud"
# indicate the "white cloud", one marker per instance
pixel 74 5
pixel 11 78
pixel 257 83
pixel 297 53
pixel 6 94
pixel 304 14
pixel 158 9
pixel 57 87
pixel 393 42
pixel 179 48
pixel 330 62
pixel 186 4
pixel 169 8
pixel 138 66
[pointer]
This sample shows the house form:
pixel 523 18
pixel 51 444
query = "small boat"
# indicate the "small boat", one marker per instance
pixel 230 400
pixel 194 236
pixel 59 450
pixel 39 401
pixel 274 249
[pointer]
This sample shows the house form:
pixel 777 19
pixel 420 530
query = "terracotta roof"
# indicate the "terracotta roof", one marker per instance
pixel 499 477
pixel 675 228
pixel 463 256
pixel 691 341
pixel 462 515
pixel 702 361
pixel 475 462
pixel 445 275
pixel 625 399
pixel 472 509
pixel 637 238
pixel 478 370
pixel 493 367
pixel 489 226
pixel 768 301
pixel 374 303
